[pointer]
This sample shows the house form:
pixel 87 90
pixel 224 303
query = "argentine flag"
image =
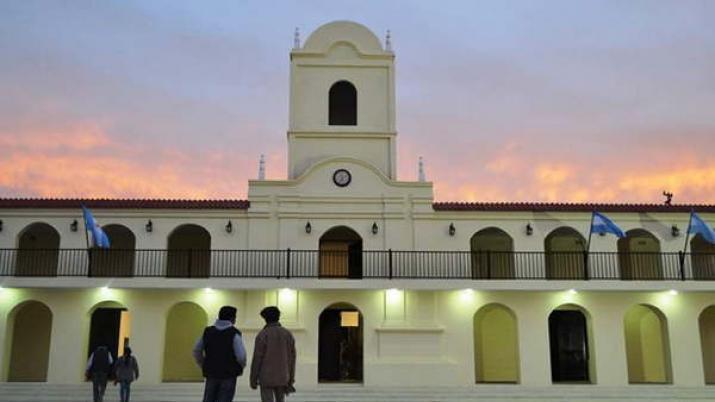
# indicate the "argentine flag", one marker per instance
pixel 99 238
pixel 698 226
pixel 601 224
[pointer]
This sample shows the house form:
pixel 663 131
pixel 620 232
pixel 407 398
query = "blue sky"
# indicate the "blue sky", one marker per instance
pixel 508 100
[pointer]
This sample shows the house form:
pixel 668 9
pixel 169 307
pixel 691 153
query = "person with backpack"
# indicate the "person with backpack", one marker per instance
pixel 221 355
pixel 126 370
pixel 273 365
pixel 99 366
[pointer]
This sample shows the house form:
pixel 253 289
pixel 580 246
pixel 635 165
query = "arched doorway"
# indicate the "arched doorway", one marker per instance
pixel 702 256
pixel 118 259
pixel 706 322
pixel 184 325
pixel 110 326
pixel 340 253
pixel 565 254
pixel 639 255
pixel 647 345
pixel 29 331
pixel 492 254
pixel 38 250
pixel 570 345
pixel 496 345
pixel 189 254
pixel 340 344
pixel 342 104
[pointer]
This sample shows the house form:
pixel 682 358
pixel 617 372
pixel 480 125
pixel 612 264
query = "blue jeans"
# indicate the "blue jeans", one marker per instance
pixel 219 389
pixel 124 390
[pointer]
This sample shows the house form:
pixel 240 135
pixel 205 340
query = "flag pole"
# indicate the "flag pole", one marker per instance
pixel 685 246
pixel 590 232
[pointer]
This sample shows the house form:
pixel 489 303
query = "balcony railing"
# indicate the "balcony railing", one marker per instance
pixel 382 264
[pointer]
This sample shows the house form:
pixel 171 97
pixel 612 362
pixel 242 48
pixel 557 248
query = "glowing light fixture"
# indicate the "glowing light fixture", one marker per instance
pixel 349 319
pixel 572 291
pixel 673 292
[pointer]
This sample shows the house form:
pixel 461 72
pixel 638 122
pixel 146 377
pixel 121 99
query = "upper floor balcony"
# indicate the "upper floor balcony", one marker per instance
pixel 357 264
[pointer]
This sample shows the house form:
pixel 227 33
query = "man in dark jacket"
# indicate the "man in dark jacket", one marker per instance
pixel 222 356
pixel 99 366
pixel 273 365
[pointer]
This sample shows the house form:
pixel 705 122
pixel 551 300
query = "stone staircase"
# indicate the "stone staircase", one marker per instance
pixel 34 392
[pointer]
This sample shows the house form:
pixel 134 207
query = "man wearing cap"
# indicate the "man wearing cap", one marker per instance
pixel 273 365
pixel 221 355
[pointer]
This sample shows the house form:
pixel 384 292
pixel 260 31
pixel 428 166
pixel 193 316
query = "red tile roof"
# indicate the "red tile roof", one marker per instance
pixel 568 207
pixel 67 203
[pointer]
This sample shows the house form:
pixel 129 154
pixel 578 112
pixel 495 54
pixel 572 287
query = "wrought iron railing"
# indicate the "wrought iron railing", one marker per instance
pixel 382 264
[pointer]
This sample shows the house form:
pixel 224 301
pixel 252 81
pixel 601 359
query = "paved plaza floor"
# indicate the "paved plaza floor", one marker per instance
pixel 14 392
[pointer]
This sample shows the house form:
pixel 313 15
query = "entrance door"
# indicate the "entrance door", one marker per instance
pixel 340 354
pixel 107 329
pixel 569 346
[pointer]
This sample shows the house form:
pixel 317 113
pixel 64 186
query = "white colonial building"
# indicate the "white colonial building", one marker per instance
pixel 380 285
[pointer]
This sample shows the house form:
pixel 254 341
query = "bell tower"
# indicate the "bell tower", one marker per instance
pixel 342 99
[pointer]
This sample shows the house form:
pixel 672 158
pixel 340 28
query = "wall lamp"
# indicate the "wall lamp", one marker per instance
pixel 529 229
pixel 452 229
pixel 675 230
pixel 74 225
pixel 374 228
pixel 149 226
pixel 229 227
pixel 308 228
pixel 0 225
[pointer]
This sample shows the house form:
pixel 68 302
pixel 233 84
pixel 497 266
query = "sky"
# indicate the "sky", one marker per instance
pixel 549 101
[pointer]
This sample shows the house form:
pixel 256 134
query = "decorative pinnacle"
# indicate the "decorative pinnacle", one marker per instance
pixel 388 41
pixel 262 168
pixel 296 39
pixel 421 170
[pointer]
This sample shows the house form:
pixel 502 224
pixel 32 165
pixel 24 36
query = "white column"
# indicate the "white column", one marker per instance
pixel 534 344
pixel 685 348
pixel 147 340
pixel 68 345
pixel 609 346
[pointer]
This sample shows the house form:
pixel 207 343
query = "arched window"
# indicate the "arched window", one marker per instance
pixel 647 345
pixel 492 254
pixel 118 259
pixel 184 324
pixel 639 255
pixel 564 254
pixel 38 251
pixel 340 253
pixel 342 108
pixel 702 256
pixel 28 331
pixel 189 252
pixel 496 345
pixel 707 343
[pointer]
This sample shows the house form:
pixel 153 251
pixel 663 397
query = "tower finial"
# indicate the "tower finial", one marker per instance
pixel 262 168
pixel 296 39
pixel 388 41
pixel 421 170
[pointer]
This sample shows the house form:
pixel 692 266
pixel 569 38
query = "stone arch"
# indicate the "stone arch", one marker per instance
pixel 185 322
pixel 571 345
pixel 118 259
pixel 109 325
pixel 639 255
pixel 496 345
pixel 706 322
pixel 38 250
pixel 340 253
pixel 189 252
pixel 647 345
pixel 492 251
pixel 340 344
pixel 565 257
pixel 29 331
pixel 702 257
pixel 342 104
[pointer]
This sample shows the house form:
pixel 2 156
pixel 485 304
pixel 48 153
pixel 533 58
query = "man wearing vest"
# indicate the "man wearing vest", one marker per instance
pixel 222 356
pixel 99 366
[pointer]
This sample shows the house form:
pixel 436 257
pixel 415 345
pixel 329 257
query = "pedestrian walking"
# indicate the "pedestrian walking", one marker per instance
pixel 221 355
pixel 126 371
pixel 273 364
pixel 99 366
